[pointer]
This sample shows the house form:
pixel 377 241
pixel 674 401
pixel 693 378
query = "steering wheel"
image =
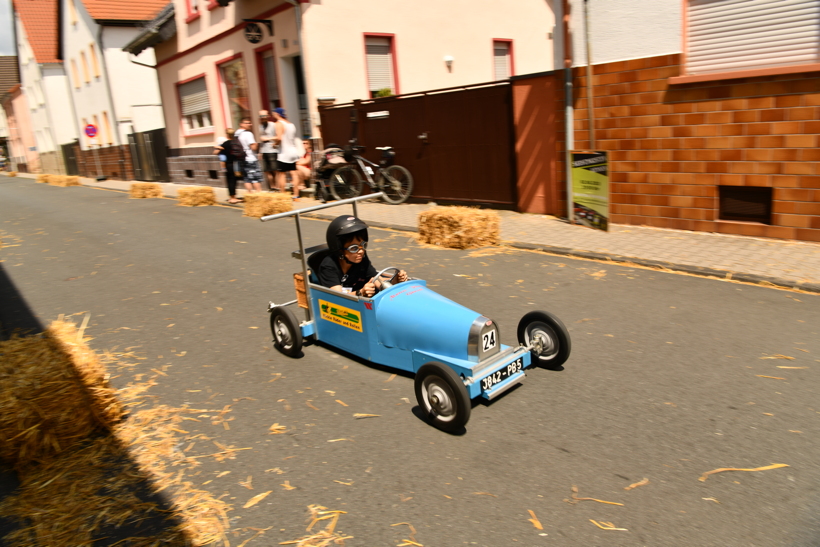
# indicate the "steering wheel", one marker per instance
pixel 387 280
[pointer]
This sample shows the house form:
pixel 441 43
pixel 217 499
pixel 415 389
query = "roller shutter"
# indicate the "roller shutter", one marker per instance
pixel 194 97
pixel 501 60
pixel 379 63
pixel 726 35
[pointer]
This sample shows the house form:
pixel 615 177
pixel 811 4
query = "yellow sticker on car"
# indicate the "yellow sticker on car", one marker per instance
pixel 340 315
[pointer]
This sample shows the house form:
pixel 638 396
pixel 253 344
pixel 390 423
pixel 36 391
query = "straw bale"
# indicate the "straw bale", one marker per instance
pixel 43 178
pixel 140 190
pixel 11 174
pixel 196 196
pixel 55 394
pixel 259 205
pixel 460 227
pixel 64 181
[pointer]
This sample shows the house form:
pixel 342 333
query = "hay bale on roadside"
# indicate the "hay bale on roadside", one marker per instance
pixel 11 174
pixel 196 196
pixel 64 181
pixel 55 394
pixel 460 227
pixel 142 190
pixel 259 205
pixel 43 178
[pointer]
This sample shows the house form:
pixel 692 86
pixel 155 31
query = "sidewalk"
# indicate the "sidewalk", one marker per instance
pixel 786 263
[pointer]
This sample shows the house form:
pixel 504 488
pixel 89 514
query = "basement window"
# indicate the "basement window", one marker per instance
pixel 189 173
pixel 745 204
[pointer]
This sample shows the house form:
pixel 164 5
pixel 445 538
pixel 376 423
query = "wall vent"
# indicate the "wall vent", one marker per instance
pixel 746 203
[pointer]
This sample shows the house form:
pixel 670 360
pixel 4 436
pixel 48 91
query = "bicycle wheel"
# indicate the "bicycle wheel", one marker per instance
pixel 397 184
pixel 345 183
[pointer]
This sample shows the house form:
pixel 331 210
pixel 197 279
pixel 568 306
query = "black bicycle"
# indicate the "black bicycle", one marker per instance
pixel 394 181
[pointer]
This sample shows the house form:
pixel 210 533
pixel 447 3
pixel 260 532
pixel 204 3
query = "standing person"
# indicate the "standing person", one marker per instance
pixel 267 132
pixel 228 160
pixel 289 152
pixel 250 165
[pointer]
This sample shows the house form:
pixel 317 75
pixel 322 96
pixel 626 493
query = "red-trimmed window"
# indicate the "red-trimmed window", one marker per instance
pixel 502 59
pixel 268 81
pixel 195 106
pixel 380 56
pixel 193 10
pixel 233 88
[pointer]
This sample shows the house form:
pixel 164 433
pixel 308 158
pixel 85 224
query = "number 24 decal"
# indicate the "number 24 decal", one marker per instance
pixel 489 340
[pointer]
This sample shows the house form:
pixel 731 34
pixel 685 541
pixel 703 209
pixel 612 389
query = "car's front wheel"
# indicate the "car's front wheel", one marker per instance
pixel 442 397
pixel 548 336
pixel 287 336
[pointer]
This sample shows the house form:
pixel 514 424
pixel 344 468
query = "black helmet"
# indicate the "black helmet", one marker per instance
pixel 342 226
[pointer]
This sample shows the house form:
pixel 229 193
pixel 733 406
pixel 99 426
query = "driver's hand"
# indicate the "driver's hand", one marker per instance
pixel 369 289
pixel 402 277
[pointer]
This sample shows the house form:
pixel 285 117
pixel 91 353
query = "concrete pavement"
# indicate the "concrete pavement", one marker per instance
pixel 786 263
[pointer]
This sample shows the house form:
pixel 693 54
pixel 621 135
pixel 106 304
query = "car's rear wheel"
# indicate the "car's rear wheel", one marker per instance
pixel 442 397
pixel 287 336
pixel 550 337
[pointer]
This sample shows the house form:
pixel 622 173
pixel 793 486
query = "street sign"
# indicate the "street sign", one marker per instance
pixel 91 130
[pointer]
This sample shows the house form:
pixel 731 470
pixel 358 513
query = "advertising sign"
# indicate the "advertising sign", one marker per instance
pixel 590 189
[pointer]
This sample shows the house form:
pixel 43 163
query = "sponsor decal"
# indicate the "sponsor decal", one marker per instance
pixel 340 315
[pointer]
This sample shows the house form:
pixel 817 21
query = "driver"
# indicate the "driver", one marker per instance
pixel 347 268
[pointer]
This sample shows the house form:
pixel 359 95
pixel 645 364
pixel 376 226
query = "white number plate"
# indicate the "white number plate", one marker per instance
pixel 488 340
pixel 500 375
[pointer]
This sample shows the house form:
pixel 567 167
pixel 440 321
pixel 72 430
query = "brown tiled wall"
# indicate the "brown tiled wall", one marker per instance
pixel 671 146
pixel 200 166
pixel 113 162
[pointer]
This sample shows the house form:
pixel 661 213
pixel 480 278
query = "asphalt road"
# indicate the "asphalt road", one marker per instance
pixel 667 380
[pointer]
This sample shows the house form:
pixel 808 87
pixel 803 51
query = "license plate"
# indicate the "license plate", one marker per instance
pixel 500 375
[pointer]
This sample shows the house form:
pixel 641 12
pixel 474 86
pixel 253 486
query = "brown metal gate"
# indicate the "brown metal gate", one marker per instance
pixel 458 143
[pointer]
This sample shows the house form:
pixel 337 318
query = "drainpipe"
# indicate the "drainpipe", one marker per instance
pixel 569 123
pixel 297 6
pixel 114 119
pixel 590 96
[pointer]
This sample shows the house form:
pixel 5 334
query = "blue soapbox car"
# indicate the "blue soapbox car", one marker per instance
pixel 455 353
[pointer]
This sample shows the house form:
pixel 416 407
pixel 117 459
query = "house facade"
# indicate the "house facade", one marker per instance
pixel 44 82
pixel 711 120
pixel 227 62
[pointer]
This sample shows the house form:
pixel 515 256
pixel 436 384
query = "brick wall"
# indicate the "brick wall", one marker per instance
pixel 672 146
pixel 113 162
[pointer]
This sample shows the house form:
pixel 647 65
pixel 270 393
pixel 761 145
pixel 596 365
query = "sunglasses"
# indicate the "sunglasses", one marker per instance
pixel 353 249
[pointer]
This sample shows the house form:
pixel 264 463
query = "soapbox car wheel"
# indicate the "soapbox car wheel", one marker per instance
pixel 287 336
pixel 442 397
pixel 549 337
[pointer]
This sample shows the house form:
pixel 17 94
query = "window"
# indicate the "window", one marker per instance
pixel 742 35
pixel 196 106
pixel 94 63
pixel 502 59
pixel 380 65
pixel 75 74
pixel 85 67
pixel 72 9
pixel 193 10
pixel 82 132
pixel 107 127
pixel 234 82
pixel 97 125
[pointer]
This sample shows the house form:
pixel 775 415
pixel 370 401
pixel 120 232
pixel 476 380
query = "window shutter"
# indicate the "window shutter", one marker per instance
pixel 194 97
pixel 379 63
pixel 725 35
pixel 501 60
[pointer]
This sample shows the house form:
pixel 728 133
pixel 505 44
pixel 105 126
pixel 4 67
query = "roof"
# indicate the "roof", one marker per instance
pixel 39 18
pixel 9 74
pixel 123 10
pixel 161 28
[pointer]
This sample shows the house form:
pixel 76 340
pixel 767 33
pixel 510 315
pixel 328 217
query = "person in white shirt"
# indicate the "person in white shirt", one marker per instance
pixel 289 152
pixel 250 166
pixel 267 132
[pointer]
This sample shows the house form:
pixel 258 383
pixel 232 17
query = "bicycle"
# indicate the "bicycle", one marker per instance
pixel 394 181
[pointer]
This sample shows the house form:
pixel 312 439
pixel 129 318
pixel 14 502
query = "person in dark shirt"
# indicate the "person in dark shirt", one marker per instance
pixel 347 268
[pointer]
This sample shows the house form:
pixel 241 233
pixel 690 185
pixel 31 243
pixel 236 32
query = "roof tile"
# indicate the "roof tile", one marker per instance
pixel 124 10
pixel 40 21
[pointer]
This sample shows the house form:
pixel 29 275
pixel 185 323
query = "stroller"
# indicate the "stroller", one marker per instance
pixel 332 157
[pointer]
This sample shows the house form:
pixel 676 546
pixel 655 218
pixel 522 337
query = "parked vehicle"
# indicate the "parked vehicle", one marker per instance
pixel 455 353
pixel 394 181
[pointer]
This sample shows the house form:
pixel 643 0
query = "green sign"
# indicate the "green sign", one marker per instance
pixel 590 189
